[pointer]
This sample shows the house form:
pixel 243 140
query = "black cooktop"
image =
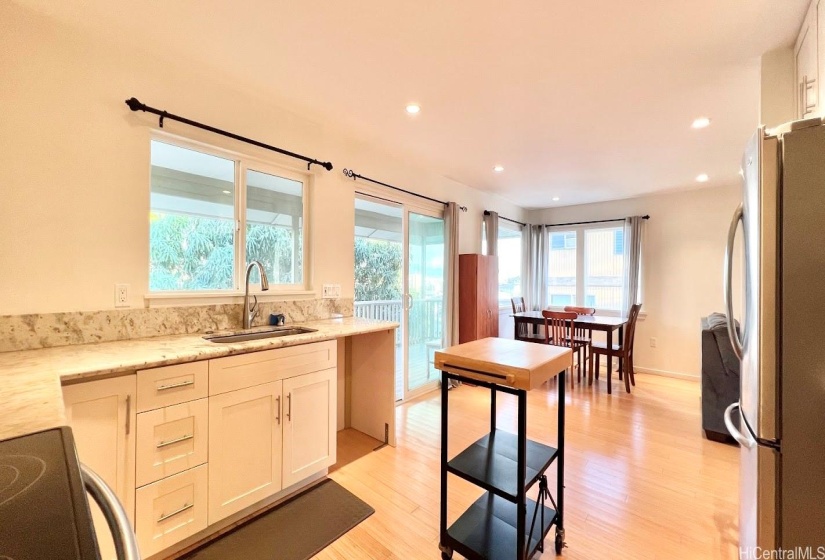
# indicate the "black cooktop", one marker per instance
pixel 44 512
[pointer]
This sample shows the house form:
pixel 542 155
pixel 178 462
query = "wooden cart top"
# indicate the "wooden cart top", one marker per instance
pixel 504 361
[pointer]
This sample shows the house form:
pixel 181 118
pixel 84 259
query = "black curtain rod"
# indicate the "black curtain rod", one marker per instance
pixel 500 217
pixel 136 105
pixel 645 217
pixel 353 175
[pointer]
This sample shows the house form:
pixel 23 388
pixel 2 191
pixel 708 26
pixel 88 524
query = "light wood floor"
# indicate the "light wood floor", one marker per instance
pixel 641 481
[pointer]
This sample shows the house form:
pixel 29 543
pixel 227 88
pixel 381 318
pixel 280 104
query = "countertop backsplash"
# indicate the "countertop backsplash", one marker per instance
pixel 48 330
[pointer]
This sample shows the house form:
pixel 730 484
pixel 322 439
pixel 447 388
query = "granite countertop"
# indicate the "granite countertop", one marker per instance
pixel 73 363
pixel 29 402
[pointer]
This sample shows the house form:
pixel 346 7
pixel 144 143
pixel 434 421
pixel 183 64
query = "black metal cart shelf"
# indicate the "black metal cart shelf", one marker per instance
pixel 503 524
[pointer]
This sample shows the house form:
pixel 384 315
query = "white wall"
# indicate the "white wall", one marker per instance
pixel 682 259
pixel 75 165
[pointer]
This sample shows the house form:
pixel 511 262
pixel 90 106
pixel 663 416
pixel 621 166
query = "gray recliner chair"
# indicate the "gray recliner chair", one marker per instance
pixel 720 376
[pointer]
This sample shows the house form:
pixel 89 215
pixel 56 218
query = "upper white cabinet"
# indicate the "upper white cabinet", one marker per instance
pixel 807 64
pixel 102 417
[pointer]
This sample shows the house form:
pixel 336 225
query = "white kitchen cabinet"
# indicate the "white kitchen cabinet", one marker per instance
pixel 309 424
pixel 170 440
pixel 244 448
pixel 170 510
pixel 245 370
pixel 806 60
pixel 102 417
pixel 170 385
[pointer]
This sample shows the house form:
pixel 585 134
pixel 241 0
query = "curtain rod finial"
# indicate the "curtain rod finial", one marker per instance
pixel 134 104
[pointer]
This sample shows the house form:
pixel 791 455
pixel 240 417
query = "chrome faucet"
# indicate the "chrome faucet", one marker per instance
pixel 249 313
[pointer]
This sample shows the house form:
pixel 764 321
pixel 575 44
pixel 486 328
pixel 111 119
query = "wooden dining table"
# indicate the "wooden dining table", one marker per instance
pixel 604 323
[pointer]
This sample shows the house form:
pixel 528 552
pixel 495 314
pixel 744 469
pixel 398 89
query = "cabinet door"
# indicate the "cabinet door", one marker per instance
pixel 309 424
pixel 469 314
pixel 807 64
pixel 102 417
pixel 244 448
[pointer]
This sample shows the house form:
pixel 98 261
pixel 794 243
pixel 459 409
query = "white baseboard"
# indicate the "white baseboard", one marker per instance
pixel 666 373
pixel 652 371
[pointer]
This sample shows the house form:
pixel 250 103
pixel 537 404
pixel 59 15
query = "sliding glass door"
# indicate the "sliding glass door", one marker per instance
pixel 425 301
pixel 399 276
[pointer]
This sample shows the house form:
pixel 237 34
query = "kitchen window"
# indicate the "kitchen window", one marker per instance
pixel 586 268
pixel 211 212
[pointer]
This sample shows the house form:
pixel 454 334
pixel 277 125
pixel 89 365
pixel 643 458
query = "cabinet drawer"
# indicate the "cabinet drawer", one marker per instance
pixel 247 370
pixel 170 385
pixel 171 510
pixel 171 440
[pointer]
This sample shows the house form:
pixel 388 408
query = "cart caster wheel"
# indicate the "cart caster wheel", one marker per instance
pixel 446 552
pixel 560 544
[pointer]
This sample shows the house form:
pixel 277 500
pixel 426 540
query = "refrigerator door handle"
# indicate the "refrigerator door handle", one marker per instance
pixel 735 341
pixel 737 435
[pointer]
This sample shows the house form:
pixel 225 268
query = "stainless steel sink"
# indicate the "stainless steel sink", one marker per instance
pixel 257 334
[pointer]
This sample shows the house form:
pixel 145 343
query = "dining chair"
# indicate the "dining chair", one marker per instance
pixel 584 336
pixel 623 351
pixel 523 329
pixel 558 331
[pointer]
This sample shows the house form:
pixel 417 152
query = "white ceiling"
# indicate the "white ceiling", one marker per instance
pixel 581 100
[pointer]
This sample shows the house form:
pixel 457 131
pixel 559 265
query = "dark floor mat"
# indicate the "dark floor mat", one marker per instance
pixel 297 530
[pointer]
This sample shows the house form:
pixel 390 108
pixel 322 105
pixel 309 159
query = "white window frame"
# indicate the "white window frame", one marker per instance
pixel 243 162
pixel 580 229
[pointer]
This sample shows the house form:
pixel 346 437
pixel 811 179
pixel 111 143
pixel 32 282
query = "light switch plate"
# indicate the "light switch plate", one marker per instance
pixel 332 291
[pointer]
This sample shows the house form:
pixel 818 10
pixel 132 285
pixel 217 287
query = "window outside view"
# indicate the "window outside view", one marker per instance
pixel 274 225
pixel 192 241
pixel 509 264
pixel 602 268
pixel 561 282
pixel 191 220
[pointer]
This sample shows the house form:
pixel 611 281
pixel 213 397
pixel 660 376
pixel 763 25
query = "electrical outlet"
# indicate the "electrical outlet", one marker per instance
pixel 653 342
pixel 121 295
pixel 332 291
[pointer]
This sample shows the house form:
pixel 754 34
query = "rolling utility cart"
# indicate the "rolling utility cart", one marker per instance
pixel 503 524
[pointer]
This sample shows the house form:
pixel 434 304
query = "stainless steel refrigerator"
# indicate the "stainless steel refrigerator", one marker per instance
pixel 779 420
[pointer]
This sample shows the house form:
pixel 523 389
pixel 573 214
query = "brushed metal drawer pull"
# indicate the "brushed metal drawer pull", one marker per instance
pixel 176 512
pixel 169 442
pixel 175 385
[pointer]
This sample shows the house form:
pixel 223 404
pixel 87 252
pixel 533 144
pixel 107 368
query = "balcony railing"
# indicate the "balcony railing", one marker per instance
pixel 426 317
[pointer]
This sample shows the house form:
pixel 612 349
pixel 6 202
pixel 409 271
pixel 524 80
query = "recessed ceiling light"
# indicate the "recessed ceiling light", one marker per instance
pixel 227 192
pixel 498 168
pixel 413 108
pixel 701 122
pixel 703 178
pixel 555 199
